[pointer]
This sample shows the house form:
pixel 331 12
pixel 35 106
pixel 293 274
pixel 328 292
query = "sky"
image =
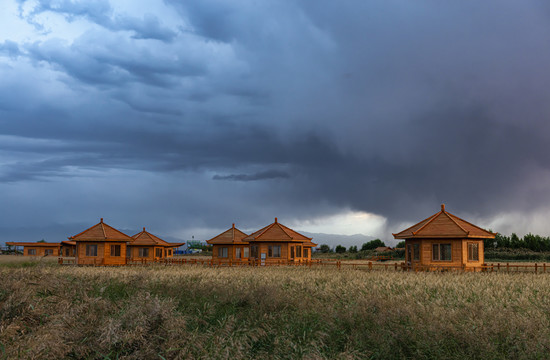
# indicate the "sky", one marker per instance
pixel 348 117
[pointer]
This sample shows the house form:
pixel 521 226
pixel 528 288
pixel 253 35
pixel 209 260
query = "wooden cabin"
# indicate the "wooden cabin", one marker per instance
pixel 444 240
pixel 150 247
pixel 68 249
pixel 37 248
pixel 278 242
pixel 229 246
pixel 101 245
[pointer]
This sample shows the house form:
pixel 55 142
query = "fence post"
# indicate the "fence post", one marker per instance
pixel 507 267
pixel 544 267
pixel 395 266
pixel 370 265
pixel 535 268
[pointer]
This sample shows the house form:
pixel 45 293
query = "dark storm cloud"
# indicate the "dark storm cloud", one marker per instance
pixel 263 175
pixel 389 107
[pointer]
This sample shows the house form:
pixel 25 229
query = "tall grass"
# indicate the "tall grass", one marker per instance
pixel 277 312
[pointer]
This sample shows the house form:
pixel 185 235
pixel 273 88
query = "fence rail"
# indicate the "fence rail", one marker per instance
pixel 370 265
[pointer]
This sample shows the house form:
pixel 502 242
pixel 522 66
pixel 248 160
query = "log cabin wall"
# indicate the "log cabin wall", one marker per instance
pixel 427 252
pixel 40 250
pixel 114 259
pixel 83 259
pixel 481 252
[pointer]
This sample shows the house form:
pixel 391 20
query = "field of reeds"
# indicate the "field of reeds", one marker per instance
pixel 182 312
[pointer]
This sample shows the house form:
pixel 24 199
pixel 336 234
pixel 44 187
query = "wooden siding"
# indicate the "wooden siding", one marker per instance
pixel 103 254
pixel 40 250
pixel 231 251
pixel 459 252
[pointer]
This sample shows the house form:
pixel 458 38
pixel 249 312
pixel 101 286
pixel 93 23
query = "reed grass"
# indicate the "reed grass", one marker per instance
pixel 184 312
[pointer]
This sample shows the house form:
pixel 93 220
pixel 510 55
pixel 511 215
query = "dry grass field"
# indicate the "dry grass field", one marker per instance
pixel 182 312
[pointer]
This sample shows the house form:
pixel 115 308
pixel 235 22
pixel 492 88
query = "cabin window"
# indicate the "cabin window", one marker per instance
pixel 222 252
pixel 32 252
pixel 115 250
pixel 441 252
pixel 245 252
pixel 473 252
pixel 48 252
pixel 254 251
pixel 274 251
pixel 416 251
pixel 306 253
pixel 143 252
pixel 299 251
pixel 158 252
pixel 170 252
pixel 292 252
pixel 91 250
pixel 238 253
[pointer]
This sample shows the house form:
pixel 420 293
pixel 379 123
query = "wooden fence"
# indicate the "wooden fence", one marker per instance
pixel 368 266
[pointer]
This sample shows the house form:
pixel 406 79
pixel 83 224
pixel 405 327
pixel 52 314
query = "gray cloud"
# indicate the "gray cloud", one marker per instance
pixel 263 175
pixel 101 13
pixel 388 108
pixel 9 48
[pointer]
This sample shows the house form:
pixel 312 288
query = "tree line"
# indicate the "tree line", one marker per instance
pixel 339 249
pixel 530 241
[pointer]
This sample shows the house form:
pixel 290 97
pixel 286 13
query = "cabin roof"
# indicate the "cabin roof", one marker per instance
pixel 68 243
pixel 444 225
pixel 145 238
pixel 40 244
pixel 101 232
pixel 230 236
pixel 280 233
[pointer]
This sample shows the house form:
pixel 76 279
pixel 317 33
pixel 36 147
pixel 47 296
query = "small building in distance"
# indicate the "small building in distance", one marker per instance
pixel 37 248
pixel 383 249
pixel 68 249
pixel 278 242
pixel 148 246
pixel 101 245
pixel 229 246
pixel 444 240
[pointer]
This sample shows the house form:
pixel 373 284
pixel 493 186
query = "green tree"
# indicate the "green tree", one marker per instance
pixel 324 249
pixel 401 245
pixel 353 249
pixel 373 244
pixel 340 249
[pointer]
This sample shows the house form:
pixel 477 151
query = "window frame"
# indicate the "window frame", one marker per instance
pixel 158 252
pixel 470 246
pixel 246 252
pixel 274 251
pixel 439 252
pixel 31 251
pixel 238 252
pixel 114 249
pixel 143 252
pixel 416 252
pixel 223 252
pixel 89 248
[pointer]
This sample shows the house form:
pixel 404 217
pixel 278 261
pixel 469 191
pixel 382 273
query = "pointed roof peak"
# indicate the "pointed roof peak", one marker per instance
pixel 101 232
pixel 229 236
pixel 146 238
pixel 444 225
pixel 277 231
